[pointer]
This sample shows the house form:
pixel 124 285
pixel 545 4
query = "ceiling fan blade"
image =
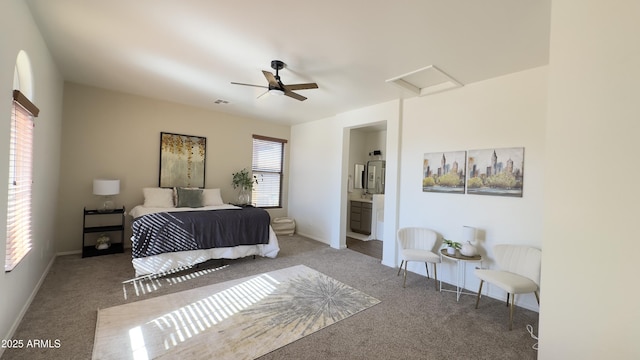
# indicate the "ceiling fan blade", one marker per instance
pixel 302 86
pixel 271 79
pixel 294 95
pixel 260 86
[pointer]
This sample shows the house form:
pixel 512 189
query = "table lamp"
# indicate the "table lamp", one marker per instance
pixel 468 236
pixel 106 188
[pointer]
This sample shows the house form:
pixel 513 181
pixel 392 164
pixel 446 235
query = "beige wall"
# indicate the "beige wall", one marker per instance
pixel 116 135
pixel 508 111
pixel 589 266
pixel 503 112
pixel 18 32
pixel 320 167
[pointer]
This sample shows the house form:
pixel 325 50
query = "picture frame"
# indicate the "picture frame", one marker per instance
pixel 182 160
pixel 498 172
pixel 444 172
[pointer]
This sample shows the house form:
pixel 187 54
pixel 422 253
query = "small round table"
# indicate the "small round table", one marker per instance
pixel 461 261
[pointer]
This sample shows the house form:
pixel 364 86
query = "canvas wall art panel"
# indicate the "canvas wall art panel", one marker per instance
pixel 182 160
pixel 497 172
pixel 444 172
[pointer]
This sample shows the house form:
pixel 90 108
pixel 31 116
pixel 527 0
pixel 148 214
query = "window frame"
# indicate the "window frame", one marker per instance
pixel 256 171
pixel 20 212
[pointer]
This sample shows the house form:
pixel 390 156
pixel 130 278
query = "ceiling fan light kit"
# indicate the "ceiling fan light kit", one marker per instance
pixel 275 85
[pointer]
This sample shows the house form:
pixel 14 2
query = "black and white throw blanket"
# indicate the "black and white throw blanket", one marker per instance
pixel 164 232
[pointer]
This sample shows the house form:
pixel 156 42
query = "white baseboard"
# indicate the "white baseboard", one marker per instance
pixel 358 236
pixel 24 309
pixel 389 264
pixel 69 253
pixel 312 238
pixel 494 292
pixel 526 301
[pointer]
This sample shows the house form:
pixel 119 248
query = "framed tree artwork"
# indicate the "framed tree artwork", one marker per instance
pixel 182 160
pixel 444 172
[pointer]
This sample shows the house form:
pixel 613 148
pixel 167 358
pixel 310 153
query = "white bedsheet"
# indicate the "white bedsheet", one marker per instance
pixel 142 210
pixel 170 261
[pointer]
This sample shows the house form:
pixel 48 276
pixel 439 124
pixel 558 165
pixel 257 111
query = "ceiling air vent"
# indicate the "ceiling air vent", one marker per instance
pixel 425 81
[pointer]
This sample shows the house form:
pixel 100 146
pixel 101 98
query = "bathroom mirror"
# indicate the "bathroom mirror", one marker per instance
pixel 375 176
pixel 358 176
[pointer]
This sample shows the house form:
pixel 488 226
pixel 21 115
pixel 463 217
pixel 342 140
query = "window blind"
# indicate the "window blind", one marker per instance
pixel 20 181
pixel 268 157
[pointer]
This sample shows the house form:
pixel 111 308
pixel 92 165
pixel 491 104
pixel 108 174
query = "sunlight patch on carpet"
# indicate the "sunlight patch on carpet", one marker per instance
pixel 240 319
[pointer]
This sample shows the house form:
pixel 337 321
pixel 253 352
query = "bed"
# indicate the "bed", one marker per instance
pixel 166 235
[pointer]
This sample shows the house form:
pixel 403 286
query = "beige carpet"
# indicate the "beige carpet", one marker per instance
pixel 239 319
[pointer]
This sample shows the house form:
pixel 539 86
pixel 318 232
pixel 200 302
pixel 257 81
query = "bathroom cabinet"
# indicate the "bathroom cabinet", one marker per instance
pixel 361 217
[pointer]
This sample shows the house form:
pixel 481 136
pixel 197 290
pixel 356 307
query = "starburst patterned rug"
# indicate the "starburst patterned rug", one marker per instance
pixel 239 319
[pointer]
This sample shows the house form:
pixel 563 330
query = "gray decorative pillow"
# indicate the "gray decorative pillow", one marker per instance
pixel 189 198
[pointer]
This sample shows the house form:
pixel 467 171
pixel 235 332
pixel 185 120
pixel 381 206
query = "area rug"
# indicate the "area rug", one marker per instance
pixel 240 319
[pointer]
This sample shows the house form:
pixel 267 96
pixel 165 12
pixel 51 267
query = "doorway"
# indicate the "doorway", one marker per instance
pixel 371 248
pixel 366 143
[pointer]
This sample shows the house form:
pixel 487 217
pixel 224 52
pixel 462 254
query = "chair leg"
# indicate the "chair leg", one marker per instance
pixel 400 268
pixel 426 265
pixel 507 303
pixel 537 297
pixel 435 275
pixel 404 283
pixel 479 291
pixel 511 312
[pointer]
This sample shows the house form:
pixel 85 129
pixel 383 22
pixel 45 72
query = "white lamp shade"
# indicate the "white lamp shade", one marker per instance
pixel 468 234
pixel 468 237
pixel 106 187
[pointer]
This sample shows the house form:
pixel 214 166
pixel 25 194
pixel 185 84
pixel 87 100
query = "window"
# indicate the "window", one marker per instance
pixel 20 180
pixel 268 157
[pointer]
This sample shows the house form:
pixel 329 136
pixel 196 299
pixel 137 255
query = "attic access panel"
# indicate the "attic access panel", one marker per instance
pixel 425 81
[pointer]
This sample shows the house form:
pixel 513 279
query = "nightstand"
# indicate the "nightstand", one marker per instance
pixel 96 222
pixel 461 262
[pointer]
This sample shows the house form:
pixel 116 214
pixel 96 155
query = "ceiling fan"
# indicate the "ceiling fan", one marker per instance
pixel 276 86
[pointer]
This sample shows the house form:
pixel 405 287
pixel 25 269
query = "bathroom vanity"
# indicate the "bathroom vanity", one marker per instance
pixel 366 206
pixel 361 212
pixel 366 217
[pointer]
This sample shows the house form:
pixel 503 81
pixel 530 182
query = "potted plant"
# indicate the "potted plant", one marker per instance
pixel 451 246
pixel 103 242
pixel 244 181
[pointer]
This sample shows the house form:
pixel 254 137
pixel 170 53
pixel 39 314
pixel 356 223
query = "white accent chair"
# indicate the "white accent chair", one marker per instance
pixel 416 244
pixel 519 273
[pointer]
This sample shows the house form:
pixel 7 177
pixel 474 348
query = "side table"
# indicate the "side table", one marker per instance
pixel 461 268
pixel 115 220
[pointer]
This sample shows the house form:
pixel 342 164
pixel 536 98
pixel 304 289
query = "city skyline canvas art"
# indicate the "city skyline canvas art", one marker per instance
pixel 497 171
pixel 444 172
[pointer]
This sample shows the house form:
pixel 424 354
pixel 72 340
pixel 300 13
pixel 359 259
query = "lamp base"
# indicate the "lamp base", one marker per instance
pixel 106 207
pixel 468 250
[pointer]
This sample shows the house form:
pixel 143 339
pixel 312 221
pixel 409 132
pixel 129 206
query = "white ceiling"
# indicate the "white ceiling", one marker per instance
pixel 189 51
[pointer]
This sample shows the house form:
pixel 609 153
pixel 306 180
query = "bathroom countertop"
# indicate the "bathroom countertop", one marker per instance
pixel 361 200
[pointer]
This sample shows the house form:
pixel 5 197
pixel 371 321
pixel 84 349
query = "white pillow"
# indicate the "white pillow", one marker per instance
pixel 211 197
pixel 158 197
